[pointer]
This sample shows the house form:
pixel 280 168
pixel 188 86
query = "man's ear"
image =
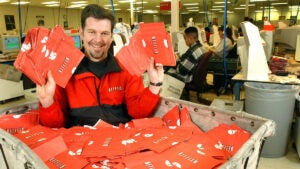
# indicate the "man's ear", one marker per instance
pixel 81 33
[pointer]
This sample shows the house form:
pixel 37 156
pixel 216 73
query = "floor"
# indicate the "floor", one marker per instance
pixel 290 161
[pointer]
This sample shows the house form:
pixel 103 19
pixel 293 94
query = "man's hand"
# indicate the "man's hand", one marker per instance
pixel 46 91
pixel 156 76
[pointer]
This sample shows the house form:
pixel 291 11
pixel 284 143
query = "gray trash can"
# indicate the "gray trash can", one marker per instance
pixel 275 102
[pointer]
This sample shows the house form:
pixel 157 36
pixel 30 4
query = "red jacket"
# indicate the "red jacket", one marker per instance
pixel 121 97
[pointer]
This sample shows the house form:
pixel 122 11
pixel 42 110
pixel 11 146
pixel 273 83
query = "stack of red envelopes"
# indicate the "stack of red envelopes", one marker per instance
pixel 172 141
pixel 151 40
pixel 46 50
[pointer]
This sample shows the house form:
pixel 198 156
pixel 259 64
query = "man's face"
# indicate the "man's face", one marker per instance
pixel 221 34
pixel 187 39
pixel 97 38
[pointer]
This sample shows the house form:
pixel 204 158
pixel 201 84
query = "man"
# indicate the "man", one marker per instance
pixel 188 61
pixel 100 88
pixel 219 49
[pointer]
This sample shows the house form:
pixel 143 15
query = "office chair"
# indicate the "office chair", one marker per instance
pixel 198 83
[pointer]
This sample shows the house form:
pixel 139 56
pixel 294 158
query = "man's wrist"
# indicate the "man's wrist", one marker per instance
pixel 156 84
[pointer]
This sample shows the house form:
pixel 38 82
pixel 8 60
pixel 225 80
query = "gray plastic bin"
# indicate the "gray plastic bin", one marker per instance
pixel 275 102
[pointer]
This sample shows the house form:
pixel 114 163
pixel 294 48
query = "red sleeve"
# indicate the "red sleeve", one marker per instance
pixel 141 102
pixel 55 116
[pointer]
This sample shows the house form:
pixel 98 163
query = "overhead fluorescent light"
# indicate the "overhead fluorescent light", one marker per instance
pixel 279 3
pixel 216 9
pixel 79 2
pixel 196 7
pixel 227 11
pixel 76 6
pixel 248 5
pixel 21 3
pixel 150 11
pixel 218 6
pixel 191 4
pixel 144 2
pixel 3 1
pixel 240 8
pixel 260 0
pixel 221 2
pixel 266 7
pixel 124 1
pixel 52 5
pixel 294 7
pixel 109 5
pixel 50 2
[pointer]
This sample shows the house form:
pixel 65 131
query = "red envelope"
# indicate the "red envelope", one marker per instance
pixel 156 42
pixel 15 123
pixel 231 138
pixel 66 161
pixel 171 118
pixel 151 40
pixel 186 121
pixel 157 139
pixel 45 142
pixel 188 156
pixel 45 50
pixel 153 122
pixel 107 142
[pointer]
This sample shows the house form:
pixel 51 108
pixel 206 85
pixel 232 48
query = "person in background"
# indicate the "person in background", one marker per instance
pixel 218 50
pixel 207 33
pixel 100 88
pixel 188 61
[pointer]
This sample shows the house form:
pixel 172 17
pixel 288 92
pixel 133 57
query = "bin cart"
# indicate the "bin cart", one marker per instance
pixel 15 154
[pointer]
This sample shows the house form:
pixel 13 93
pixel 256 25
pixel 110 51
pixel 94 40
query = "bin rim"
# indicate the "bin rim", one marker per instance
pixel 292 87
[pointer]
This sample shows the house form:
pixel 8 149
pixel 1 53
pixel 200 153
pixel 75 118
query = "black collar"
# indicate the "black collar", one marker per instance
pixel 98 68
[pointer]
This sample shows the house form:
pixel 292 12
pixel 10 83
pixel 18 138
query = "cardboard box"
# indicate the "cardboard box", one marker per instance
pixel 171 87
pixel 9 72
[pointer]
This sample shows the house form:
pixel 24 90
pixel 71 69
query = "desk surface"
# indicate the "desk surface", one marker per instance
pixel 290 79
pixel 29 101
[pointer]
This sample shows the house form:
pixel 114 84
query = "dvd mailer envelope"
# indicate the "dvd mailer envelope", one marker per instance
pixel 66 160
pixel 44 51
pixel 151 40
pixel 45 142
pixel 15 123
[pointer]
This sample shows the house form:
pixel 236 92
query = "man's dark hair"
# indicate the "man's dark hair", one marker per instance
pixel 98 12
pixel 192 31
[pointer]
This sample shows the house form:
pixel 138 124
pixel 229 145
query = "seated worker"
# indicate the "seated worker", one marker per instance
pixel 218 50
pixel 100 88
pixel 188 61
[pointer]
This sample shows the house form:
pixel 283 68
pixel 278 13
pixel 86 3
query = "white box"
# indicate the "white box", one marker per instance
pixel 171 87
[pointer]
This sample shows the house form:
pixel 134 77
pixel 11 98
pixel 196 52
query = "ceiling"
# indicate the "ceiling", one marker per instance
pixel 153 6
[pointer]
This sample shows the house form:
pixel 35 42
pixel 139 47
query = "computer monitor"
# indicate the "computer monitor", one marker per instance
pixel 10 43
pixel 77 40
pixel 286 37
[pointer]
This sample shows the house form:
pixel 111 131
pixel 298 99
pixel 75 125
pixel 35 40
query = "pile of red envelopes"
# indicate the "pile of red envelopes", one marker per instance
pixel 172 141
pixel 151 40
pixel 46 50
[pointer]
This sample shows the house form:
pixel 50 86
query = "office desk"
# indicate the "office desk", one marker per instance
pixel 7 59
pixel 29 101
pixel 239 80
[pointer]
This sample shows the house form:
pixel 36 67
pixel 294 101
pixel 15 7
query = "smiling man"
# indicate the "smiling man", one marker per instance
pixel 100 88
